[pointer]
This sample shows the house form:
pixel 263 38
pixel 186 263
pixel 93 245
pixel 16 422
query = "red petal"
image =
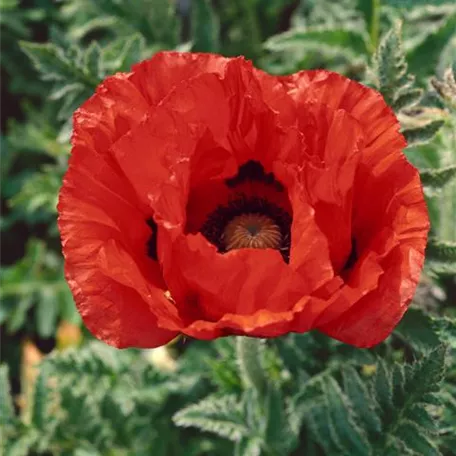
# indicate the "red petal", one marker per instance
pixel 114 313
pixel 334 143
pixel 374 316
pixel 157 77
pixel 390 220
pixel 112 111
pixel 97 209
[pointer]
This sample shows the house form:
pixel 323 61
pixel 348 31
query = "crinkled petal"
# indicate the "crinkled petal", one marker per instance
pixel 334 142
pixel 372 318
pixel 111 112
pixel 97 208
pixel 387 198
pixel 156 77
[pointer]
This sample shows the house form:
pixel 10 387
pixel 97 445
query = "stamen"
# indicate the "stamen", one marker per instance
pixel 252 231
pixel 249 222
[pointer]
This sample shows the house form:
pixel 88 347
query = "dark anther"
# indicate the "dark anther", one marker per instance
pixel 353 257
pixel 253 171
pixel 152 241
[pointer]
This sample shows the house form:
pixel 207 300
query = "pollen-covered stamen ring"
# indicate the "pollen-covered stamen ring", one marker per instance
pixel 252 231
pixel 275 221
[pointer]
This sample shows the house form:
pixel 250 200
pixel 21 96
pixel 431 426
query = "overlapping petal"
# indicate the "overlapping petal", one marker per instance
pixel 104 235
pixel 387 198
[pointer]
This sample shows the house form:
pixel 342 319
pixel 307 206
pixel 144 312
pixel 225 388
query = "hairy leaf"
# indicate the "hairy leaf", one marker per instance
pixel 437 177
pixel 219 415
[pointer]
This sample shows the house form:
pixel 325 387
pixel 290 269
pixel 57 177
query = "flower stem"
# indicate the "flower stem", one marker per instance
pixel 375 24
pixel 249 355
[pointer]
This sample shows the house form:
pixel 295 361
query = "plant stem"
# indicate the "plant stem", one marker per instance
pixel 375 24
pixel 249 355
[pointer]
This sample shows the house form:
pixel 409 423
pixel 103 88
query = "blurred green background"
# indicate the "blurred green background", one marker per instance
pixel 87 399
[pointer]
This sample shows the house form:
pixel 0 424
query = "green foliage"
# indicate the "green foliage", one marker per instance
pixel 298 394
pixel 441 250
pixel 38 195
pixel 393 80
pixel 35 283
pixel 422 134
pixel 446 88
pixel 323 34
pixel 437 178
pixel 439 25
pixel 154 20
pixel 339 409
pixel 399 399
pixel 344 38
pixel 7 416
pixel 77 71
pixel 124 413
pixel 206 27
pixel 221 415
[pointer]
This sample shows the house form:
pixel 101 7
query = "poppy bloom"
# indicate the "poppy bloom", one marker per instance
pixel 205 197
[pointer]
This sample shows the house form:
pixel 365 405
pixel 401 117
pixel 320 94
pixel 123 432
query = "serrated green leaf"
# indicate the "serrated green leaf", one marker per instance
pixel 395 447
pixel 438 177
pixel 49 60
pixel 422 134
pixel 390 65
pixel 319 423
pixel 416 329
pixel 123 53
pixel 421 417
pixel 351 436
pixel 446 88
pixel 39 192
pixel 361 399
pixel 219 415
pixel 278 433
pixel 406 98
pixel 92 60
pixel 344 38
pixel 56 64
pixel 441 250
pixel 426 375
pixel 61 90
pixel 439 268
pixel 415 438
pixel 382 385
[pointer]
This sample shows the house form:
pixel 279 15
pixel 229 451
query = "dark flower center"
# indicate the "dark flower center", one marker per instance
pixel 247 221
pixel 250 221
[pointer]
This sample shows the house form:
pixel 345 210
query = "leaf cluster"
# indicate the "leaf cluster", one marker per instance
pixel 99 401
pixel 34 294
pixel 365 404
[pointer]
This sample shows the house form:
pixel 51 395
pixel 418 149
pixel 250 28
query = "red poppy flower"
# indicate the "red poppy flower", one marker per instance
pixel 208 198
